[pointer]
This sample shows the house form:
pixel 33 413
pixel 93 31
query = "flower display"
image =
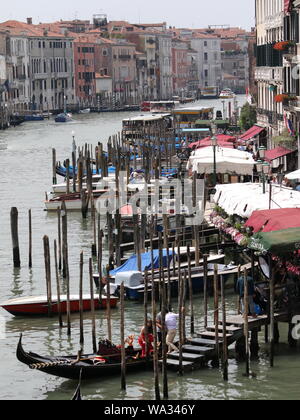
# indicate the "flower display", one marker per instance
pixel 283 46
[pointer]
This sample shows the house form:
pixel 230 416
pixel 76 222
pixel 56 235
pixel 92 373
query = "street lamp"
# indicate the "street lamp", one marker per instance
pixel 262 152
pixel 263 168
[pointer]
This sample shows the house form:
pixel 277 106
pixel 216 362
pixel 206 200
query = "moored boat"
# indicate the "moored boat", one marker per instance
pixel 34 117
pixel 227 94
pixel 63 118
pixel 85 111
pixel 106 363
pixel 38 306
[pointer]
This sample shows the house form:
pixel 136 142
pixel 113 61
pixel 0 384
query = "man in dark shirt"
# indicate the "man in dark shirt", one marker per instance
pixel 240 290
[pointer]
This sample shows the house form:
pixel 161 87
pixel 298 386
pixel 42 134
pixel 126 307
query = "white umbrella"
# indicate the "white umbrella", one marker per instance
pixel 294 175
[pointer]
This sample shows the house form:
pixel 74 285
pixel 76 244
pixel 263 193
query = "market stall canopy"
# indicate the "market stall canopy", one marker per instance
pixel 293 175
pixel 244 199
pixel 277 153
pixel 223 141
pixel 281 242
pixel 251 133
pixel 273 220
pixel 228 161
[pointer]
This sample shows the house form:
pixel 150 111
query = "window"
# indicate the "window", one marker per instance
pixel 205 43
pixel 205 56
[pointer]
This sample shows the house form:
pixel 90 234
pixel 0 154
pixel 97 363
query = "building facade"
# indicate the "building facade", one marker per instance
pixel 269 66
pixel 208 47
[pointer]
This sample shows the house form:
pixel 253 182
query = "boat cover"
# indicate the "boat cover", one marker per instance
pixel 132 263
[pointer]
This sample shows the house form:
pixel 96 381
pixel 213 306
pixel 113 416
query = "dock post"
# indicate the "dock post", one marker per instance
pixel 48 273
pixel 14 216
pixel 205 279
pixel 81 300
pixel 54 178
pixel 272 317
pixel 122 334
pixel 66 273
pixel 246 321
pixel 216 310
pixel 155 343
pixel 94 245
pixel 30 239
pixel 93 306
pixel 191 292
pixel 146 314
pixel 58 287
pixel 225 347
pixel 108 308
pixel 59 238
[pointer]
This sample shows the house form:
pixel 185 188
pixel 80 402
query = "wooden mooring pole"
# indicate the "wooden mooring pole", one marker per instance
pixel 14 216
pixel 30 239
pixel 225 347
pixel 246 321
pixel 58 287
pixel 122 335
pixel 81 300
pixel 93 306
pixel 48 273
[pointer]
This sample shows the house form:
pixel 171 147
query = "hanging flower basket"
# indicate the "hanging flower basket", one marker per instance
pixel 281 98
pixel 284 46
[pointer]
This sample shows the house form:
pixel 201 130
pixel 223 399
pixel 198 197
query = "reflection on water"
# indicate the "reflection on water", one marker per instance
pixel 25 175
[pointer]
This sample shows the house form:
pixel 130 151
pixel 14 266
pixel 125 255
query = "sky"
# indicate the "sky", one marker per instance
pixel 179 13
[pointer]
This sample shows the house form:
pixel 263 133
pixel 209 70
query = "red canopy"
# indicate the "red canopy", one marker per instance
pixel 273 220
pixel 277 153
pixel 223 141
pixel 251 133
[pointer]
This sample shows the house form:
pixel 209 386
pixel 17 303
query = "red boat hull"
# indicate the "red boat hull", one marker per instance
pixel 40 309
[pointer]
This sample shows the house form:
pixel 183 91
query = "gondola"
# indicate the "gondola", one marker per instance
pixel 94 366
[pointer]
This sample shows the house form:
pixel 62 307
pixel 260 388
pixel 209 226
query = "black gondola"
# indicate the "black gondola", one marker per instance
pixel 94 366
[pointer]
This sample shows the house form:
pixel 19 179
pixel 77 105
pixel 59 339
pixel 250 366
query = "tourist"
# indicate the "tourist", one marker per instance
pixel 146 340
pixel 171 326
pixel 240 289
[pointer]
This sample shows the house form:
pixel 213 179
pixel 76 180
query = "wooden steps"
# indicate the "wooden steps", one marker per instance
pixel 203 342
pixel 210 334
pixel 188 357
pixel 173 364
pixel 229 329
pixel 197 349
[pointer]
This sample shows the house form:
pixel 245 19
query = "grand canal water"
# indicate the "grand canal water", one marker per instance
pixel 25 175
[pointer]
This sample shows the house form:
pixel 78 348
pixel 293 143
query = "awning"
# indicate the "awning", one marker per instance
pixel 223 141
pixel 274 220
pixel 277 243
pixel 277 153
pixel 252 132
pixel 287 6
pixel 228 161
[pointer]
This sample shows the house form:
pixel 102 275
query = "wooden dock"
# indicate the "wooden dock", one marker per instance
pixel 202 348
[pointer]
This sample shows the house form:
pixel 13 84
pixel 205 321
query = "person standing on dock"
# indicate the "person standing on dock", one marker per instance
pixel 171 326
pixel 240 289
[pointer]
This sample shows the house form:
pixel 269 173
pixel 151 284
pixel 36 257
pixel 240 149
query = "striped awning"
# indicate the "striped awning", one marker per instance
pixel 287 6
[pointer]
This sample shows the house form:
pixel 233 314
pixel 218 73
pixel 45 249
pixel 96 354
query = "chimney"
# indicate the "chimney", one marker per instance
pixel 29 21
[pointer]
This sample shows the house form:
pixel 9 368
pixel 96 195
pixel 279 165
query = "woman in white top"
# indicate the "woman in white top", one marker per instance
pixel 171 326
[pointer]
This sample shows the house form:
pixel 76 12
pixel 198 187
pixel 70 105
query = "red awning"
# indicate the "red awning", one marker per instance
pixel 253 132
pixel 277 153
pixel 223 141
pixel 287 6
pixel 274 220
